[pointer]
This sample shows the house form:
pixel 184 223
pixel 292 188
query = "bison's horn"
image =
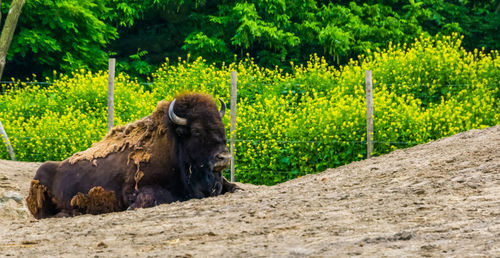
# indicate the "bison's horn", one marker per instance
pixel 222 108
pixel 174 117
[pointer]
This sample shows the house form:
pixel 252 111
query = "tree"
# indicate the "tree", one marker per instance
pixel 8 30
pixel 64 35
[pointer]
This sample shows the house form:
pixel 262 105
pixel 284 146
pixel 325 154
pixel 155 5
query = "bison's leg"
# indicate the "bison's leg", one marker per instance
pixel 149 196
pixel 40 201
pixel 228 187
pixel 97 201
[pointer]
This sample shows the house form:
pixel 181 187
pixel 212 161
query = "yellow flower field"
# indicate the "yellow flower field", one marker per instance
pixel 289 123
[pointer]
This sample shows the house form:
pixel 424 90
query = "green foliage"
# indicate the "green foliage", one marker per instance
pixel 137 67
pixel 209 47
pixel 276 32
pixel 61 35
pixel 288 124
pixel 478 21
pixel 68 34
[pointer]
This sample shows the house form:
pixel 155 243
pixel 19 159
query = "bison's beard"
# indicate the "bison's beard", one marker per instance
pixel 204 181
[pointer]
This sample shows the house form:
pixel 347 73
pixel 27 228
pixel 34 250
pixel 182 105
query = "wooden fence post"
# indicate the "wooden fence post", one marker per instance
pixel 7 142
pixel 369 113
pixel 111 92
pixel 233 120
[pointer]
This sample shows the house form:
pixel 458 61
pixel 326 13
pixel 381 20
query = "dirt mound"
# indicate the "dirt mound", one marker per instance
pixel 436 199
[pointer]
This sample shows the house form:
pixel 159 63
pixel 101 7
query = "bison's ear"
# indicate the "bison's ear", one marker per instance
pixel 182 131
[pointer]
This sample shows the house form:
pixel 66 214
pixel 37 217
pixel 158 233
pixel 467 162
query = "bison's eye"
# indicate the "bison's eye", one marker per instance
pixel 195 132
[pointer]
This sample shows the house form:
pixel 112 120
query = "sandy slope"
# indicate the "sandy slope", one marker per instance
pixel 436 199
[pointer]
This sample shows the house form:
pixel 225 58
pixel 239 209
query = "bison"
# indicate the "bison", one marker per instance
pixel 175 154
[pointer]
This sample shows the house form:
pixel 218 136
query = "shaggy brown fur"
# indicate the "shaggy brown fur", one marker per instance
pixel 97 201
pixel 138 136
pixel 39 200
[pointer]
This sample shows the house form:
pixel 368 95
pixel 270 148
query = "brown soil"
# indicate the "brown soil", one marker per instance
pixel 436 199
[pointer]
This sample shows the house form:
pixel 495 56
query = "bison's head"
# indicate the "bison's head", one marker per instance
pixel 201 142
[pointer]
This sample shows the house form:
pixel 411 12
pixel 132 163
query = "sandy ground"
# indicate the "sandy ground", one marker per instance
pixel 436 199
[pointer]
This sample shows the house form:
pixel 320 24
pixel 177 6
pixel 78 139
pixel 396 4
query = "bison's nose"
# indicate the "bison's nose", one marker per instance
pixel 222 160
pixel 223 156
